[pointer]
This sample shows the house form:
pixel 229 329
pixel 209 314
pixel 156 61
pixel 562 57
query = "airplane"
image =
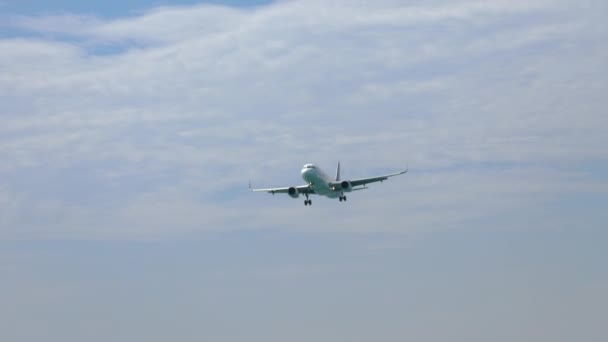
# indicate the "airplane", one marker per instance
pixel 319 183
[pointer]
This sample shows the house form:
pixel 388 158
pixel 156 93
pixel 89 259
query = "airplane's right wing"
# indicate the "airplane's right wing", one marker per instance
pixel 303 189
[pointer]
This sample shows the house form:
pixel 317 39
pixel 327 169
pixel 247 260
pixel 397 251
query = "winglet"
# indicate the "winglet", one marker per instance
pixel 250 185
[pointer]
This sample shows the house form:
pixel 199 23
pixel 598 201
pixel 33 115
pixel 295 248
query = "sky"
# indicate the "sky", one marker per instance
pixel 129 131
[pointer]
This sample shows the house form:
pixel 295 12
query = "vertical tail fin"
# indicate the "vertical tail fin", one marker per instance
pixel 338 173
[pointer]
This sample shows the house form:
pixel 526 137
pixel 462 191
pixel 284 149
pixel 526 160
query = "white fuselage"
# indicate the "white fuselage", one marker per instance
pixel 320 182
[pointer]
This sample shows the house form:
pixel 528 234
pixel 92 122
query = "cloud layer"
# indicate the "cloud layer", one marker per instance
pixel 152 124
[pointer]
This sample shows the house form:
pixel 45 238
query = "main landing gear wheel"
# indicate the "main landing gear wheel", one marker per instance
pixel 307 202
pixel 342 198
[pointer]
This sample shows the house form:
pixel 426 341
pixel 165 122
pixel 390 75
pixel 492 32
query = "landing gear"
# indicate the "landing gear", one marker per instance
pixel 307 201
pixel 342 198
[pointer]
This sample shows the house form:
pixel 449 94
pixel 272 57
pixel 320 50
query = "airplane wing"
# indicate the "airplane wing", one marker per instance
pixel 364 181
pixel 301 189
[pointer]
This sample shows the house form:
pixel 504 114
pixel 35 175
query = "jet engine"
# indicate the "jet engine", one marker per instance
pixel 293 192
pixel 346 187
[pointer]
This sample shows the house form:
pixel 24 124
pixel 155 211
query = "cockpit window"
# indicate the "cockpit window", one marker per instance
pixel 309 166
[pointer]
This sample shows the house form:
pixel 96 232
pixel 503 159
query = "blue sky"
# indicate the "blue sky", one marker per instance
pixel 129 131
pixel 107 8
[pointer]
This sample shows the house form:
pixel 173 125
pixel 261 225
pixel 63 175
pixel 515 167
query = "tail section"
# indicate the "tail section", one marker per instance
pixel 338 173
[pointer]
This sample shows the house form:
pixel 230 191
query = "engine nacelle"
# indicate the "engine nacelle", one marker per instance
pixel 293 192
pixel 346 187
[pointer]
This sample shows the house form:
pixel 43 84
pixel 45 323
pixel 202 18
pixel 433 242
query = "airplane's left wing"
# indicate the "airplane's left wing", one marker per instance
pixel 364 181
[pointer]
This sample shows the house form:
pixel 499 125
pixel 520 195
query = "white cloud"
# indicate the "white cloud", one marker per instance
pixel 163 116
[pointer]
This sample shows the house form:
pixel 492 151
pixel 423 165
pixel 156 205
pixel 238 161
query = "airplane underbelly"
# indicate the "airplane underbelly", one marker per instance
pixel 320 185
pixel 324 190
